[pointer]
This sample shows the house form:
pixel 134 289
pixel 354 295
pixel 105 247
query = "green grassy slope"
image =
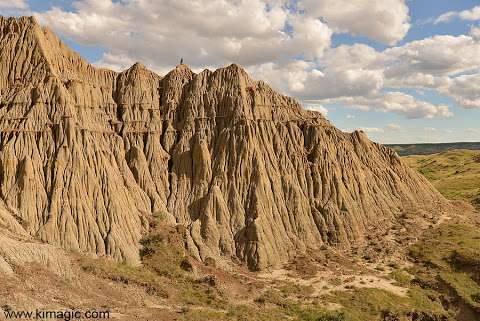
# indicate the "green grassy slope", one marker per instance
pixel 433 148
pixel 456 173
pixel 448 256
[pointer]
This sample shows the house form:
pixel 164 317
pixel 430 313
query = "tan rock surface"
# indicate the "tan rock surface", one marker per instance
pixel 86 155
pixel 17 249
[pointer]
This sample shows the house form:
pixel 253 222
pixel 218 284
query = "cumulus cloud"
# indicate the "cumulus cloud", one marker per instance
pixel 317 107
pixel 475 33
pixel 14 8
pixel 358 74
pixel 464 89
pixel 356 56
pixel 204 32
pixel 289 48
pixel 434 56
pixel 384 133
pixel 474 131
pixel 13 4
pixel 359 71
pixel 340 82
pixel 308 83
pixel 115 62
pixel 448 64
pixel 398 103
pixel 344 71
pixel 470 15
pixel 386 21
pixel 288 78
pixel 375 130
pixel 394 127
pixel 431 63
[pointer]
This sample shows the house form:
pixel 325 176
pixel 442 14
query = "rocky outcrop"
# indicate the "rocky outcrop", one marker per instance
pixel 86 155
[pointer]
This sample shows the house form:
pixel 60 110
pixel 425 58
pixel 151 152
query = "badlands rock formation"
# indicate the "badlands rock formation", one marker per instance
pixel 87 155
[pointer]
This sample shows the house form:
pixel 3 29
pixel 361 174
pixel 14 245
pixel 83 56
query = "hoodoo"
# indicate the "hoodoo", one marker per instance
pixel 87 155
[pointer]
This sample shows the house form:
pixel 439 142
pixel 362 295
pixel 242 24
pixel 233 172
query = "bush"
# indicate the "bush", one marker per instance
pixel 476 297
pixel 160 215
pixel 401 277
pixel 316 315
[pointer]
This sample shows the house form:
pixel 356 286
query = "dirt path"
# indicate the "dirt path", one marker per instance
pixel 326 282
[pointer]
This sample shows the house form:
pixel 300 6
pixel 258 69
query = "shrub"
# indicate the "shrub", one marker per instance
pixel 160 215
pixel 476 297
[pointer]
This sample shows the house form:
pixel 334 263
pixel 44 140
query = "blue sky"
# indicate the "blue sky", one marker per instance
pixel 394 68
pixel 422 12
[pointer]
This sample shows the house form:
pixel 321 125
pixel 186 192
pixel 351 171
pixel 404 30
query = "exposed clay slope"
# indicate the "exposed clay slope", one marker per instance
pixel 87 154
pixel 18 248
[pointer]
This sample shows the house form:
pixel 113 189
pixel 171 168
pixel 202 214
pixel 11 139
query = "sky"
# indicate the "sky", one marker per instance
pixel 403 71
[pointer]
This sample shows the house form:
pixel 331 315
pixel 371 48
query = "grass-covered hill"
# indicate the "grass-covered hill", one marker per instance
pixel 455 173
pixel 427 149
pixel 447 256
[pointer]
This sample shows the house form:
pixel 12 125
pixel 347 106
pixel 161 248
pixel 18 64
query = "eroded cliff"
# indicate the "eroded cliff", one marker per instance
pixel 86 155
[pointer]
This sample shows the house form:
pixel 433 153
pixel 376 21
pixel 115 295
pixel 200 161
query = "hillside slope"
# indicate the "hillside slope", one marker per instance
pixel 431 148
pixel 456 173
pixel 87 155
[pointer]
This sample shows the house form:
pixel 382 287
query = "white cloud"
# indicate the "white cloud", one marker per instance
pixel 434 56
pixel 289 77
pixel 350 116
pixel 473 131
pixel 115 62
pixel 341 82
pixel 464 89
pixel 13 4
pixel 317 107
pixel 302 80
pixel 375 130
pixel 450 65
pixel 204 32
pixel 384 20
pixel 398 103
pixel 356 74
pixel 379 130
pixel 346 71
pixel 291 50
pixel 394 127
pixel 470 15
pixel 356 56
pixel 446 17
pixel 475 33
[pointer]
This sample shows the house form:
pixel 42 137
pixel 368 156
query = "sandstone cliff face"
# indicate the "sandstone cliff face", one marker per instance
pixel 86 155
